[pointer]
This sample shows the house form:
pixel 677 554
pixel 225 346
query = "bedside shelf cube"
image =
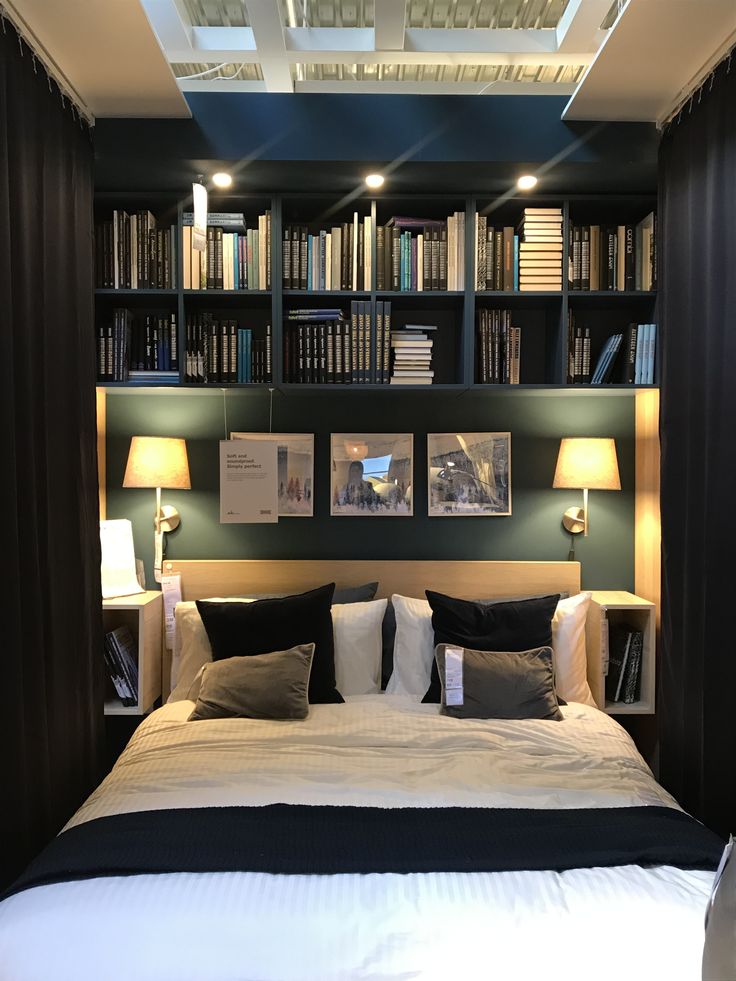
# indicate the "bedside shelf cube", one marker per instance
pixel 143 615
pixel 609 608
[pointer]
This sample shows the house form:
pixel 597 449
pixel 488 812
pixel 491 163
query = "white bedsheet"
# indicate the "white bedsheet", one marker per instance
pixel 374 750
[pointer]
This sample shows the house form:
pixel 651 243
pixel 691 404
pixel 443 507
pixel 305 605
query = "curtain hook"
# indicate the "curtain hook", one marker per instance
pixel 712 79
pixel 2 18
pixel 700 94
pixel 33 61
pixel 728 63
pixel 20 45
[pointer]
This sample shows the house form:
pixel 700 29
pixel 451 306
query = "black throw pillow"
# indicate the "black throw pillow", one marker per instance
pixel 518 625
pixel 243 629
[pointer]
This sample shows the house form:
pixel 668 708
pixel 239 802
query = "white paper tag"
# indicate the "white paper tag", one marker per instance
pixel 171 589
pixel 453 676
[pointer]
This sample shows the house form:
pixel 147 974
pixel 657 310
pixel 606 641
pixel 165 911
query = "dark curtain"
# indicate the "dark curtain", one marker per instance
pixel 50 633
pixel 697 243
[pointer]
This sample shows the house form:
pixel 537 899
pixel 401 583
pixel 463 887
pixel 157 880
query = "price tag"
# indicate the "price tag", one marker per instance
pixel 453 676
pixel 171 588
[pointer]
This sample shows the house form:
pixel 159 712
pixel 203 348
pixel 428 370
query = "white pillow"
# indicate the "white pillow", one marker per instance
pixel 358 644
pixel 191 645
pixel 413 647
pixel 568 644
pixel 357 634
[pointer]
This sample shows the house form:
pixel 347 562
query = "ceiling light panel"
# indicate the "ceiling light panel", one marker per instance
pixel 209 72
pixel 549 74
pixel 216 13
pixel 508 14
pixel 327 13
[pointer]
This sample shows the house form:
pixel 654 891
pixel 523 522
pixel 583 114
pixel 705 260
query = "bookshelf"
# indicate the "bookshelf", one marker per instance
pixel 542 316
pixel 143 615
pixel 611 608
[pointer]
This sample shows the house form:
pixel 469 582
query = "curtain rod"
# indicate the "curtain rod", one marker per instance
pixel 40 55
pixel 696 85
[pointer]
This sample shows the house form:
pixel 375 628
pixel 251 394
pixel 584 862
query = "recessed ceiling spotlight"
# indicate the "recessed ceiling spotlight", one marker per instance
pixel 374 180
pixel 222 179
pixel 526 182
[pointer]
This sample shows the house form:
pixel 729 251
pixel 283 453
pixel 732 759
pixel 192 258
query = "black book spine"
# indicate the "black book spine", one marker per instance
pixel 577 258
pixel 303 254
pixel 629 360
pixel 286 259
pixel 380 258
pixel 498 259
pixel 585 257
pixel 211 259
pixel 442 259
pixel 629 259
pixel 611 258
pixel 345 238
pixel 395 259
pixel 296 236
pixel 347 353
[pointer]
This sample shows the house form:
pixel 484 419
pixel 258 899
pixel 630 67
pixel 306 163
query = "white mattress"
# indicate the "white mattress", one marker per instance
pixel 381 751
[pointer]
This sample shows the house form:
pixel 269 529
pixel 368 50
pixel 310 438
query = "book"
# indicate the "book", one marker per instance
pixel 619 646
pixel 630 686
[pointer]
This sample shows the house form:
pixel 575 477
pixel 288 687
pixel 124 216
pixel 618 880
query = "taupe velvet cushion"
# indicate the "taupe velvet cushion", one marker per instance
pixel 503 684
pixel 262 686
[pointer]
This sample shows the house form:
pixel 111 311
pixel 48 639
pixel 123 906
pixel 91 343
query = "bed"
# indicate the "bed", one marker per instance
pixel 373 752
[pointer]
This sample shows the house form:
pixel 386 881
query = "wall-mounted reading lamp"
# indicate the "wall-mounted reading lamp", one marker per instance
pixel 158 461
pixel 585 464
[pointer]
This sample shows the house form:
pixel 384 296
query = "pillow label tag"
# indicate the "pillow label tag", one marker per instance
pixel 453 676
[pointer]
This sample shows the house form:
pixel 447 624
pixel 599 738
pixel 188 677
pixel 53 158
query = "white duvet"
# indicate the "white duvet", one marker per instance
pixel 382 751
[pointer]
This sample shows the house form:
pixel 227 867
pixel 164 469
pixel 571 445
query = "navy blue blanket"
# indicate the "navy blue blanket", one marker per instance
pixel 298 839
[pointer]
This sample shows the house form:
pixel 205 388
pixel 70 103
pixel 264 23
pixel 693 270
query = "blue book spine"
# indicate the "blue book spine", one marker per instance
pixel 651 351
pixel 516 263
pixel 641 332
pixel 310 247
pixel 248 356
pixel 239 375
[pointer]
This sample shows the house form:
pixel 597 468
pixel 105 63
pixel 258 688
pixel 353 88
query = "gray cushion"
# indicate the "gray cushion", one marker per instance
pixel 262 686
pixel 503 684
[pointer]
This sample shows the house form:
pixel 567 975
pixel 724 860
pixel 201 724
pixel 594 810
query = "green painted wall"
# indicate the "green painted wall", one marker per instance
pixel 534 531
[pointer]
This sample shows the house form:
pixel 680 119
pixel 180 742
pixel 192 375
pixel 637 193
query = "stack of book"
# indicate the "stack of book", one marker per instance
pixel 235 258
pixel 419 254
pixel 497 348
pixel 143 349
pixel 634 365
pixel 121 659
pixel 323 347
pixel 496 256
pixel 338 258
pixel 412 355
pixel 540 250
pixel 132 253
pixel 625 648
pixel 221 352
pixel 138 349
pixel 613 257
pixel 626 358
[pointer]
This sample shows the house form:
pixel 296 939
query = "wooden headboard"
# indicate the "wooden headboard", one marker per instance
pixel 467 580
pixel 201 578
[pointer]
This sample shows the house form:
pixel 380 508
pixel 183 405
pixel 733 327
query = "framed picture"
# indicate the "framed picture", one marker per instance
pixel 372 474
pixel 295 467
pixel 469 474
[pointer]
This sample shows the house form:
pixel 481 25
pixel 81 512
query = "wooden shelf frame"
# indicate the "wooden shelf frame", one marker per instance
pixel 143 614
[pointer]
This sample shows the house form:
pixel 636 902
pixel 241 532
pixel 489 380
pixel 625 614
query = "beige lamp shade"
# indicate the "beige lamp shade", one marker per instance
pixel 587 464
pixel 157 461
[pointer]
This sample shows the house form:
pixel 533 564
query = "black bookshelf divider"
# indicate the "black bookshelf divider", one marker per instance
pixel 541 317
